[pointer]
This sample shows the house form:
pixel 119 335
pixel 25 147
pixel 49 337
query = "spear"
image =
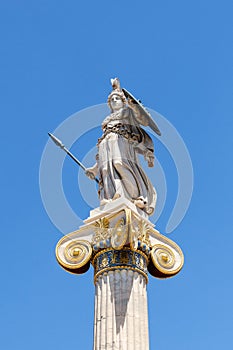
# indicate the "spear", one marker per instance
pixel 62 146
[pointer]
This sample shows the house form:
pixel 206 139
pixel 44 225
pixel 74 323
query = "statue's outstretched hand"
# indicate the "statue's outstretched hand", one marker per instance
pixel 92 172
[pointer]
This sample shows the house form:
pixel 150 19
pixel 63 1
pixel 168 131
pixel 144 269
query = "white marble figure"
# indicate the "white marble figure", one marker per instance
pixel 117 166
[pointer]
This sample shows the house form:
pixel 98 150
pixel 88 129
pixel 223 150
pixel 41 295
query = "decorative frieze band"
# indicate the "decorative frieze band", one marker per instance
pixel 110 259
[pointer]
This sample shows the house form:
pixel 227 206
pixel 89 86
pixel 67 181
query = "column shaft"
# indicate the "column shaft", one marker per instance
pixel 121 315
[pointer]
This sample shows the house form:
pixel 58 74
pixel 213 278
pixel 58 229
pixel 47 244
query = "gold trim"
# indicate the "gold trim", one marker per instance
pixel 111 249
pixel 128 214
pixel 165 268
pixel 66 255
pixel 84 228
pixel 101 230
pixel 121 267
pixel 168 241
pixel 163 256
pixel 121 226
pixel 107 216
pixel 144 229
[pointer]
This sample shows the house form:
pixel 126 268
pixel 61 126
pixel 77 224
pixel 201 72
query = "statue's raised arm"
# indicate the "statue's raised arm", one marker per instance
pixel 120 173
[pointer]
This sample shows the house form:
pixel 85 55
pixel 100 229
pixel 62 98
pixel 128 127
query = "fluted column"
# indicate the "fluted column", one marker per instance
pixel 121 315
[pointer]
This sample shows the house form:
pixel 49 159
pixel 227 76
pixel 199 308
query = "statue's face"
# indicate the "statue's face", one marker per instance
pixel 116 102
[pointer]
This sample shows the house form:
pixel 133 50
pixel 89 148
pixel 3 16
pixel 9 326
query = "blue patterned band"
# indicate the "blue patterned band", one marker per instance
pixel 110 259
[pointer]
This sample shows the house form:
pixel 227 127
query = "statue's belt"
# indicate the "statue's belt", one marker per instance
pixel 122 130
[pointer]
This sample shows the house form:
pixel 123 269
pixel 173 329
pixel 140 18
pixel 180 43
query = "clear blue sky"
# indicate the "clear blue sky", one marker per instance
pixel 57 58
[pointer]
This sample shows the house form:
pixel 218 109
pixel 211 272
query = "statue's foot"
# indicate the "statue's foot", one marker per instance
pixel 140 202
pixel 116 195
pixel 105 201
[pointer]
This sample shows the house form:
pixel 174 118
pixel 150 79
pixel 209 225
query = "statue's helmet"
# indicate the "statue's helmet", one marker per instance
pixel 116 90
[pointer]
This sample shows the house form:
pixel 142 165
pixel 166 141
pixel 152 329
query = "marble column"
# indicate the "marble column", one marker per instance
pixel 121 311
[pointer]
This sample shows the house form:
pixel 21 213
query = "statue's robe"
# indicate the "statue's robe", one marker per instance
pixel 120 172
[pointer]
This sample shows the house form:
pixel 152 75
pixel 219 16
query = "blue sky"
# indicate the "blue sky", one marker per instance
pixel 57 58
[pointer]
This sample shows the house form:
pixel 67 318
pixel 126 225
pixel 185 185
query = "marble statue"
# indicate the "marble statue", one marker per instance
pixel 117 165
